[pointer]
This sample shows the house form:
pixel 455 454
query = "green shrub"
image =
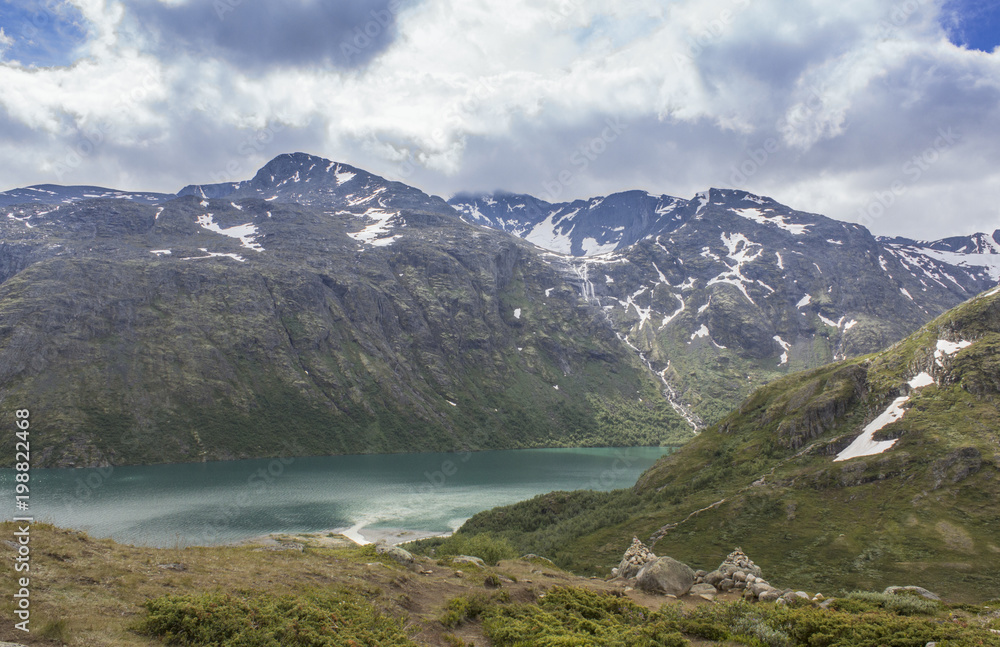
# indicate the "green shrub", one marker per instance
pixel 572 617
pixel 485 546
pixel 469 607
pixel 318 620
pixel 904 605
pixel 860 620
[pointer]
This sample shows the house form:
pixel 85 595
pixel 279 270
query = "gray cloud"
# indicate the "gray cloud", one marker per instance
pixel 252 34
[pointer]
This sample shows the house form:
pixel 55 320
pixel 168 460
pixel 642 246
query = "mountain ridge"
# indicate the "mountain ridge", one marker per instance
pixel 717 296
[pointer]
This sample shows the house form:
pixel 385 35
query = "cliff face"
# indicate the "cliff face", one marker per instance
pixel 211 329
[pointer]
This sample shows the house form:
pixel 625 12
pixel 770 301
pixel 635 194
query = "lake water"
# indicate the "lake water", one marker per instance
pixel 364 496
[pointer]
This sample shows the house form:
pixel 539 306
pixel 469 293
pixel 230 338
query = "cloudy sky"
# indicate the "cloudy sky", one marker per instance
pixel 885 112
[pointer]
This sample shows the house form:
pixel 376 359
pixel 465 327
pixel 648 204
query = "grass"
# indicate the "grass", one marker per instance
pixel 101 594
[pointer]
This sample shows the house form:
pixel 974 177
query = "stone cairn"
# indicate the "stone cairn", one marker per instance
pixel 739 572
pixel 637 556
pixel 736 573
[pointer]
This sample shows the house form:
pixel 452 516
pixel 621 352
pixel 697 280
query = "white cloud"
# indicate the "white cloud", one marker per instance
pixel 492 94
pixel 5 42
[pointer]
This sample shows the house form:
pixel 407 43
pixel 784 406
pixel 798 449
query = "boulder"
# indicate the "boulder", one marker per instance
pixel 792 596
pixel 703 590
pixel 714 578
pixel 919 590
pixel 399 554
pixel 666 575
pixel 468 559
pixel 771 595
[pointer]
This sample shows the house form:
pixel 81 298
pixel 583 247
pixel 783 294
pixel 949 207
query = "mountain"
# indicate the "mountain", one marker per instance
pixel 580 228
pixel 978 252
pixel 863 473
pixel 340 313
pixel 55 194
pixel 313 181
pixel 366 315
pixel 728 291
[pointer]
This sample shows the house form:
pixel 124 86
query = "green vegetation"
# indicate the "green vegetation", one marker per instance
pixel 577 617
pixel 102 594
pixel 923 513
pixel 469 607
pixel 317 620
pixel 485 546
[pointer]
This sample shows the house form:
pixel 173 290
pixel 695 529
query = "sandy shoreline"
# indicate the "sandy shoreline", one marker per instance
pixel 357 535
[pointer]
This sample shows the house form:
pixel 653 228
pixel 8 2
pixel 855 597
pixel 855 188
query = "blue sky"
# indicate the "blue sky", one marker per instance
pixel 973 23
pixel 42 34
pixel 885 112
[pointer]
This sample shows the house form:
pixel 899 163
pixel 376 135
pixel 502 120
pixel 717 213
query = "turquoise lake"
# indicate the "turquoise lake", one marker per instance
pixel 366 497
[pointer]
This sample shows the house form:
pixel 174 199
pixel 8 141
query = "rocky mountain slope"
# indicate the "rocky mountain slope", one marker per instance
pixel 864 473
pixel 977 252
pixel 355 315
pixel 729 291
pixel 319 296
pixel 55 194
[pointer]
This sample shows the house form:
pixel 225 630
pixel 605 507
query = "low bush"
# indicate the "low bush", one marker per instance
pixel 485 546
pixel 469 607
pixel 223 620
pixel 572 617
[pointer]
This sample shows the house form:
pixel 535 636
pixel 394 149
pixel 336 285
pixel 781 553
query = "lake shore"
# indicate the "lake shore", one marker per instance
pixel 339 537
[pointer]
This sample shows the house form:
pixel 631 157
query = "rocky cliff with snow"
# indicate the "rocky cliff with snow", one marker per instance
pixel 318 308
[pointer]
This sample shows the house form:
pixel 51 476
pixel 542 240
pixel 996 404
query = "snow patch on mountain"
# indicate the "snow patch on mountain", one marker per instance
pixel 758 215
pixel 865 445
pixel 544 235
pixel 592 248
pixel 245 232
pixel 742 250
pixel 376 233
pixel 947 348
pixel 701 332
pixel 785 346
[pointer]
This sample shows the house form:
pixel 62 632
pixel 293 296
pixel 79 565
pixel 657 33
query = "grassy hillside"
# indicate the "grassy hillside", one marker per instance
pixel 923 512
pixel 322 591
